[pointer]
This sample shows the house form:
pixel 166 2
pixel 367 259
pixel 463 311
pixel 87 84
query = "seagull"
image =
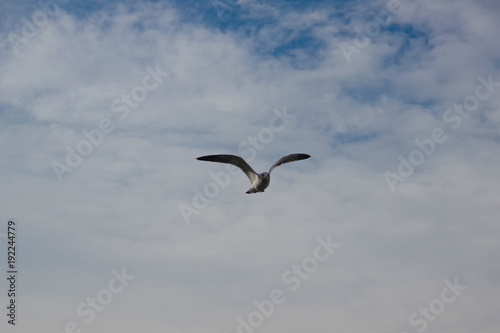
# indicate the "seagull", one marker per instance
pixel 260 181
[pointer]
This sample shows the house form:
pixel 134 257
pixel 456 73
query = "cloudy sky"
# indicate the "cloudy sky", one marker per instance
pixel 391 225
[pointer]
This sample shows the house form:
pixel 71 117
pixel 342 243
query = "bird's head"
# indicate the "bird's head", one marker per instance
pixel 264 175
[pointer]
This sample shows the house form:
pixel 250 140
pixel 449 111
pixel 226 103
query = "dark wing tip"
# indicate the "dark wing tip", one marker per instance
pixel 207 158
pixel 300 156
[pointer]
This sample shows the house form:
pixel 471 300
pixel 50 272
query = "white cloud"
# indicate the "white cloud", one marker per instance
pixel 119 207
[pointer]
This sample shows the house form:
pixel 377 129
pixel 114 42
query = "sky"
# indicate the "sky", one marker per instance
pixel 390 226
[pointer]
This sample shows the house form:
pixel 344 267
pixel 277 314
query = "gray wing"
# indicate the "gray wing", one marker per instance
pixel 288 159
pixel 234 160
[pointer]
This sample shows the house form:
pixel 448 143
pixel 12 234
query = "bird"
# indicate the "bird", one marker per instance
pixel 260 181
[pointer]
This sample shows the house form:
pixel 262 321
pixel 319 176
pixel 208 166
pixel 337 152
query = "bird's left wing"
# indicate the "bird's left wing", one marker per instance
pixel 288 159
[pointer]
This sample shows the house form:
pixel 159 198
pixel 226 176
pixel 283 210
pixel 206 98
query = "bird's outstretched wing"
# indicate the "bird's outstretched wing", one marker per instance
pixel 288 159
pixel 234 160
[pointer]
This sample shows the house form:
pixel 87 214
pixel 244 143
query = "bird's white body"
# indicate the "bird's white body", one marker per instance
pixel 261 183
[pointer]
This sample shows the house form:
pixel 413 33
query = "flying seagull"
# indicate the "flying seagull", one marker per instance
pixel 260 181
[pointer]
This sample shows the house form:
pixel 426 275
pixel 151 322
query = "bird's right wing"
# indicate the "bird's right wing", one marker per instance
pixel 234 160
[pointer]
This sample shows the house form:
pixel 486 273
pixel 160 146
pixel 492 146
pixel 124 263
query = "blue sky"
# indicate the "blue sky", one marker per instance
pixel 105 105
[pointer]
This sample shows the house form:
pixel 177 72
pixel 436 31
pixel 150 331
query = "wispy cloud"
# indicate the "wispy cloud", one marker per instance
pixel 227 74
